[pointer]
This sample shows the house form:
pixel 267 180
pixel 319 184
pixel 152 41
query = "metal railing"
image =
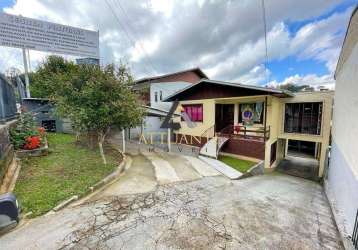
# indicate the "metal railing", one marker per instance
pixel 355 233
pixel 245 132
pixel 209 133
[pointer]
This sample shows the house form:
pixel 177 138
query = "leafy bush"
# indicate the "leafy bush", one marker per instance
pixel 25 128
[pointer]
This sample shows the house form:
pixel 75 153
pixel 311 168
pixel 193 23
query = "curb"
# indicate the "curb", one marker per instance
pixel 120 169
pixel 254 170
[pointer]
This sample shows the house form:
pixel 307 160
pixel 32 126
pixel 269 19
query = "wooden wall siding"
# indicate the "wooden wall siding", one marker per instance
pixel 249 148
pixel 179 138
pixel 181 77
pixel 209 91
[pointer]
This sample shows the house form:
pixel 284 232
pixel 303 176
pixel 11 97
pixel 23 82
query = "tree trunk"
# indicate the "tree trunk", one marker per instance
pixel 77 136
pixel 101 138
pixel 100 144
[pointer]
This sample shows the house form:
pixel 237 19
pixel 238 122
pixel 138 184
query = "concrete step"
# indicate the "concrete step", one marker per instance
pixel 164 172
pixel 201 167
pixel 182 167
pixel 222 168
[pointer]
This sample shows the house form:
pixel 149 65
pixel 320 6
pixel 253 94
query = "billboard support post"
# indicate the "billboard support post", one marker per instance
pixel 27 82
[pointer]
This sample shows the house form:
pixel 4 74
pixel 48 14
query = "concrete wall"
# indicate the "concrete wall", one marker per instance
pixel 342 182
pixel 6 148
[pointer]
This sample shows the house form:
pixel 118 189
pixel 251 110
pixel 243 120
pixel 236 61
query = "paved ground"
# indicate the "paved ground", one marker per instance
pixel 166 201
pixel 299 166
pixel 263 212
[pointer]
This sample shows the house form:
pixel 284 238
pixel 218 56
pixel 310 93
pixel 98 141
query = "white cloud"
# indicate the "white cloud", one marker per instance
pixel 224 38
pixel 310 79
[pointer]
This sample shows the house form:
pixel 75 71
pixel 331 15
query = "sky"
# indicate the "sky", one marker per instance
pixel 224 38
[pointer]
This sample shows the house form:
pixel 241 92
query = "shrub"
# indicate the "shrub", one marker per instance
pixel 25 129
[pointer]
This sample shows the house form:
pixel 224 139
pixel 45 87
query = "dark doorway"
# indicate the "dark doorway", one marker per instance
pixel 49 125
pixel 224 116
pixel 301 148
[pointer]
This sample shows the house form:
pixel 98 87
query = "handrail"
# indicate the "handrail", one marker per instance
pixel 231 129
pixel 205 133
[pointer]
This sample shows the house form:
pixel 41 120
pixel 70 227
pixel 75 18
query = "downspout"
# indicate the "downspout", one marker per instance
pixel 265 118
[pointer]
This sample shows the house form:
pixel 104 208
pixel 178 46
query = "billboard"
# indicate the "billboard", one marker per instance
pixel 23 32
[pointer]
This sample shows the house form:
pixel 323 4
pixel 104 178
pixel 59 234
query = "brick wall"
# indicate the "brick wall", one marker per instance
pixel 244 147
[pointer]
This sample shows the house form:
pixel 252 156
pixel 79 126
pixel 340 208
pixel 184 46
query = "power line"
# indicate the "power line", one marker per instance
pixel 265 32
pixel 126 32
pixel 135 33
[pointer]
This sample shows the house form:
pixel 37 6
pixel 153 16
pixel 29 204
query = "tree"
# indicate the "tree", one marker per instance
pixel 293 87
pixel 49 76
pixel 93 98
pixel 96 99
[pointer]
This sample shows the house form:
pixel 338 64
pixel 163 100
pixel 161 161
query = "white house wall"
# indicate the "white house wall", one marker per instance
pixel 342 183
pixel 167 88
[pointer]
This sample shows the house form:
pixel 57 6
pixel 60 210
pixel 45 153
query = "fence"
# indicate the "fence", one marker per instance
pixel 355 233
pixel 8 108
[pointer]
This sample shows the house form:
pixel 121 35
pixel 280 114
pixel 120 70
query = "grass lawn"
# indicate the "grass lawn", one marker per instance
pixel 240 165
pixel 67 170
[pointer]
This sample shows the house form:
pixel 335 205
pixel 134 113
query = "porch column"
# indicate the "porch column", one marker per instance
pixel 236 113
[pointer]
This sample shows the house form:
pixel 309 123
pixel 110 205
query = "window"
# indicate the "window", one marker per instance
pixel 156 96
pixel 273 152
pixel 161 95
pixel 194 111
pixel 253 109
pixel 304 118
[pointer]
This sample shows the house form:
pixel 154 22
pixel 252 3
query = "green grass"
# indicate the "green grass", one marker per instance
pixel 67 170
pixel 240 165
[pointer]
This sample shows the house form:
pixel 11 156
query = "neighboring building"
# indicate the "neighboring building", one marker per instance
pixel 342 182
pixel 153 90
pixel 255 123
pixel 88 60
pixel 45 116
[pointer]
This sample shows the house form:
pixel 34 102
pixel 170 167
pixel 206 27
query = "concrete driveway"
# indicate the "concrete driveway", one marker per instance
pixel 264 212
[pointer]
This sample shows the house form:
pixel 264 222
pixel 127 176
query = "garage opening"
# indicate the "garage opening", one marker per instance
pixel 301 159
pixel 305 149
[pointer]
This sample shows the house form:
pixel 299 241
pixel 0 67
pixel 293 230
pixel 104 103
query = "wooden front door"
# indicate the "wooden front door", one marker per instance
pixel 224 116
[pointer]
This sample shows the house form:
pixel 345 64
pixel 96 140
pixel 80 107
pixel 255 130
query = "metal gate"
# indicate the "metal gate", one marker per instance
pixel 355 233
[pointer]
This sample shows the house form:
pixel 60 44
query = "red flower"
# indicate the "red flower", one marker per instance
pixel 32 142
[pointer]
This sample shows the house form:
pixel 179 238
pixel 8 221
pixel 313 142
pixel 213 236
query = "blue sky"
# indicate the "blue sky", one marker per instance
pixel 304 36
pixel 281 69
pixel 6 3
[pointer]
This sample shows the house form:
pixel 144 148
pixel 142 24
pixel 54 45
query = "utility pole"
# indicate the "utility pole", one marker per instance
pixel 27 82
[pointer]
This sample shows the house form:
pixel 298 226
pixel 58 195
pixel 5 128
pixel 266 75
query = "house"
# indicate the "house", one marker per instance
pixel 255 123
pixel 342 182
pixel 44 113
pixel 153 90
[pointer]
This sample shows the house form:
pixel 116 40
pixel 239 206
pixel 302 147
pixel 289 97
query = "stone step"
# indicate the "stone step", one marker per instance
pixel 222 168
pixel 10 177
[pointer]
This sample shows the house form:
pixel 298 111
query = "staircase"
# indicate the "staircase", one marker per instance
pixel 213 146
